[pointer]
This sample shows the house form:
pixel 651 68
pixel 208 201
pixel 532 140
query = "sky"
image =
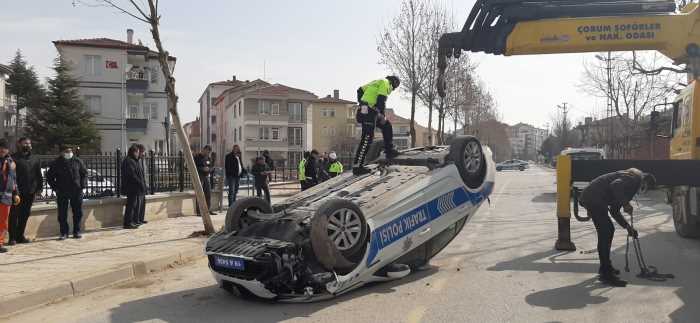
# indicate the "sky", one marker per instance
pixel 314 45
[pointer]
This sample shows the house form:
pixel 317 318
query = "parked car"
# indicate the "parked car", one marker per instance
pixel 512 164
pixel 97 185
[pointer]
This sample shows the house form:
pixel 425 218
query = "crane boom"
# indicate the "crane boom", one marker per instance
pixel 508 27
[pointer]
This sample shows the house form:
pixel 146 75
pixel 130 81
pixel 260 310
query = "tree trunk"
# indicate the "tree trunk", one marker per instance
pixel 413 118
pixel 430 122
pixel 172 107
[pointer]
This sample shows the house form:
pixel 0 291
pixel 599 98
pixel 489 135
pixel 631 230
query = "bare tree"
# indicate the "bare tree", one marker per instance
pixel 150 16
pixel 631 89
pixel 400 49
pixel 438 22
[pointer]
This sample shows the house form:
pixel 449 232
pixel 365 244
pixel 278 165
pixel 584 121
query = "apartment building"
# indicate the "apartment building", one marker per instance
pixel 259 116
pixel 526 140
pixel 334 125
pixel 8 105
pixel 209 124
pixel 192 131
pixel 402 131
pixel 123 86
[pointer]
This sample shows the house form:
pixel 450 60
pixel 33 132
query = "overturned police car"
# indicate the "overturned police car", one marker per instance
pixel 353 230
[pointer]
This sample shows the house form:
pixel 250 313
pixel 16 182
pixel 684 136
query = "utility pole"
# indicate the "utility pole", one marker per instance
pixel 610 112
pixel 564 123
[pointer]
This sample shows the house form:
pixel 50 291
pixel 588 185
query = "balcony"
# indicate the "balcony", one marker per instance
pixel 136 125
pixel 137 81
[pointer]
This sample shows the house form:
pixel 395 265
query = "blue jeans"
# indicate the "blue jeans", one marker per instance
pixel 233 183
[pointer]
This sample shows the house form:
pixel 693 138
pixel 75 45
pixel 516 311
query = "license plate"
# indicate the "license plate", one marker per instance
pixel 229 262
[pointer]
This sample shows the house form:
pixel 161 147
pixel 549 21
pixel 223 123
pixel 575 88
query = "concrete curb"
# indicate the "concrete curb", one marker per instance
pixel 20 302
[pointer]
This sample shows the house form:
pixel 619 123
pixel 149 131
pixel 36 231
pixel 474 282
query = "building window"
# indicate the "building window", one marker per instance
pixel 93 103
pixel 295 112
pixel 240 133
pixel 295 138
pixel 324 131
pixel 92 65
pixel 154 111
pixel 294 158
pixel 350 130
pixel 213 138
pixel 239 109
pixel 275 109
pixel 263 133
pixel 401 143
pixel 263 107
pixel 235 135
pixel 351 113
pixel 275 133
pixel 403 129
pixel 154 75
pixel 235 109
pixel 146 110
pixel 332 131
pixel 213 120
pixel 133 111
pixel 328 113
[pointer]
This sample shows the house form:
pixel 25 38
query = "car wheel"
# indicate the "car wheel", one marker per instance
pixel 339 235
pixel 466 153
pixel 237 215
pixel 522 169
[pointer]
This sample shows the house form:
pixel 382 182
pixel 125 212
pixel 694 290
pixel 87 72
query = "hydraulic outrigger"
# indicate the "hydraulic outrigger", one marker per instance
pixel 515 27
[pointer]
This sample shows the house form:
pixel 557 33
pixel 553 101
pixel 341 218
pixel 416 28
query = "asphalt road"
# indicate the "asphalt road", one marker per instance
pixel 501 268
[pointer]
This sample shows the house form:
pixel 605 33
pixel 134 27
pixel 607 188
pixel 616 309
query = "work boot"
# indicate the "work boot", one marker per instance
pixel 359 171
pixel 391 153
pixel 612 270
pixel 612 280
pixel 3 249
pixel 63 237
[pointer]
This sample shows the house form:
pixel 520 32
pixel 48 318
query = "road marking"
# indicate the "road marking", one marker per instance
pixel 416 314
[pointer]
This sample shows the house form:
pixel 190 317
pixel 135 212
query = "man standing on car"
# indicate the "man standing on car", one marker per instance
pixel 233 167
pixel 141 216
pixel 609 193
pixel 204 168
pixel 372 100
pixel 29 183
pixel 67 177
pixel 133 186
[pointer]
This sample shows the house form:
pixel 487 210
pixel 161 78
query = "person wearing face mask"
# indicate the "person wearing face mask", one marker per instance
pixel 29 184
pixel 8 190
pixel 67 176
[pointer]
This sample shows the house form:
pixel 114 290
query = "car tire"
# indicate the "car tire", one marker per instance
pixel 339 235
pixel 468 156
pixel 236 216
pixel 685 227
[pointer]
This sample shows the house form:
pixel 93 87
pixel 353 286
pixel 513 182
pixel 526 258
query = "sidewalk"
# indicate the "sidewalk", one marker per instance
pixel 48 270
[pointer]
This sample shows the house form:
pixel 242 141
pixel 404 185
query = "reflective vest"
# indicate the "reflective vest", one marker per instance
pixel 302 170
pixel 335 167
pixel 374 89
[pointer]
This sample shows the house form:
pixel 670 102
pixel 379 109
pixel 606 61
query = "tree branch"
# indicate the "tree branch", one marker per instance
pixel 639 68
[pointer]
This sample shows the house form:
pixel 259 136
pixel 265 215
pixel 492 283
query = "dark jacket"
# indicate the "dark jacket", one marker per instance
pixel 612 191
pixel 258 173
pixel 269 162
pixel 233 166
pixel 202 161
pixel 7 180
pixel 29 177
pixel 67 176
pixel 311 171
pixel 133 180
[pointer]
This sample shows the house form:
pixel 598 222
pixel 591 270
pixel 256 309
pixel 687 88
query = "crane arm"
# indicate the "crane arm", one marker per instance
pixel 516 27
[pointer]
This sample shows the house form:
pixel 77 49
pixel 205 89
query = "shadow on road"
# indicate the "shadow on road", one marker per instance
pixel 665 250
pixel 575 296
pixel 545 198
pixel 213 304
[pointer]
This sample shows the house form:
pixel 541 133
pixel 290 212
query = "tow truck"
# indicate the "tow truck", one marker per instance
pixel 517 27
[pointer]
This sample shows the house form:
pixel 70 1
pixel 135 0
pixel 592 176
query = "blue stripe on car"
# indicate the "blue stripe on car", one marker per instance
pixel 413 220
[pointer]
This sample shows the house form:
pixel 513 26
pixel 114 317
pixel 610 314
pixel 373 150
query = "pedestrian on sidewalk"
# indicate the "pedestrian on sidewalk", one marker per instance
pixel 311 171
pixel 261 175
pixel 335 167
pixel 204 168
pixel 233 168
pixel 133 186
pixel 7 190
pixel 29 184
pixel 67 176
pixel 141 218
pixel 607 194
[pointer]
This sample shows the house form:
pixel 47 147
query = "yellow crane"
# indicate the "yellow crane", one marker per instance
pixel 516 27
